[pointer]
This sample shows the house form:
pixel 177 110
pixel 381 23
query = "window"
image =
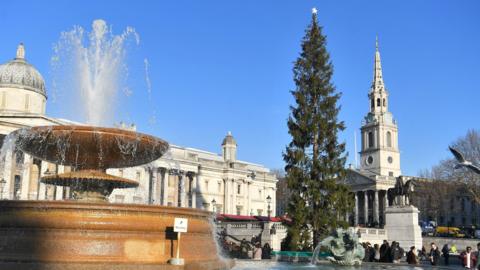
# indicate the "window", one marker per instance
pixel 27 102
pixel 219 187
pixel 137 199
pixel 239 189
pixel 384 103
pixel 19 157
pixel 372 103
pixel 452 221
pixel 389 139
pixel 370 139
pixel 17 188
pixel 138 176
pixel 259 212
pixel 4 100
pixel 206 206
pixel 119 198
pixel 378 102
pixel 390 173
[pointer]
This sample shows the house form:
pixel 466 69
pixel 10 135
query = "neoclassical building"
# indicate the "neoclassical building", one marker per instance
pixel 183 177
pixel 379 156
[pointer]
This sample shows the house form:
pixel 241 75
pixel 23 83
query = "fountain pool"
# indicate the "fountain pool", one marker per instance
pixel 269 265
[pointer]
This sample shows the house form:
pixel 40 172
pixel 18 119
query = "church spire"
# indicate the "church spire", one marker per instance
pixel 377 84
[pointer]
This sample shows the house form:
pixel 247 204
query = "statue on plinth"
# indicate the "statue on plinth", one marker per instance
pixel 401 193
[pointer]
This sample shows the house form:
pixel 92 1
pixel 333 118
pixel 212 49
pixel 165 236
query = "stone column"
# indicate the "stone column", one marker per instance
pixel 42 187
pixel 375 208
pixel 385 205
pixel 182 193
pixel 248 198
pixel 365 207
pixel 27 163
pixel 234 198
pixel 356 210
pixel 59 189
pixel 7 175
pixel 152 198
pixel 166 175
pixel 226 201
pixel 194 189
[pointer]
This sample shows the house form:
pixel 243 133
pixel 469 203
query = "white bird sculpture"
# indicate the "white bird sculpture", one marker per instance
pixel 462 162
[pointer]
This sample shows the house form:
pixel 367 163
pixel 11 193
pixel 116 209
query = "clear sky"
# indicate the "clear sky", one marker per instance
pixel 218 66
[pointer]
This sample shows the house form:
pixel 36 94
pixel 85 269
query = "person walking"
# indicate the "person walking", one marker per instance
pixel 434 255
pixel 423 254
pixel 397 252
pixel 469 259
pixel 376 250
pixel 412 256
pixel 477 254
pixel 446 253
pixel 384 251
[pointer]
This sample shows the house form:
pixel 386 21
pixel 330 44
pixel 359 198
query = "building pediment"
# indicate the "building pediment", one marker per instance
pixel 358 181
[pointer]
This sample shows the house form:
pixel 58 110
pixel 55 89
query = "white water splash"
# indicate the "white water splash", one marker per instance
pixel 147 77
pixel 92 66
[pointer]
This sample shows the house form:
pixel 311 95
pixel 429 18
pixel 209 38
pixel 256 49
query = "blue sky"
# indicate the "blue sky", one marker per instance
pixel 218 66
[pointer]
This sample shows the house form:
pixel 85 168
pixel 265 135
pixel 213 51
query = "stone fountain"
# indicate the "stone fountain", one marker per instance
pixel 87 232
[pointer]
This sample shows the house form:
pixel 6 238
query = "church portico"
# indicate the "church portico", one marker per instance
pixel 369 207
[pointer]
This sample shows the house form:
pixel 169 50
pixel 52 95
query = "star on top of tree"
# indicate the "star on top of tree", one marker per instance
pixel 314 10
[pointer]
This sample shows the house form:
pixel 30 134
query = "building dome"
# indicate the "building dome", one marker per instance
pixel 18 73
pixel 229 139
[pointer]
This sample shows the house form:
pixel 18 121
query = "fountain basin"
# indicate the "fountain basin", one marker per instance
pixel 87 147
pixel 52 235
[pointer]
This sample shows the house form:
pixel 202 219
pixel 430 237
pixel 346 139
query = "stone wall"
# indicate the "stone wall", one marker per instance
pixel 461 243
pixel 246 230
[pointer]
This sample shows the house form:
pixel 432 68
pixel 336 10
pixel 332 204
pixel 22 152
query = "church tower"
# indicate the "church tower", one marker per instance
pixel 380 154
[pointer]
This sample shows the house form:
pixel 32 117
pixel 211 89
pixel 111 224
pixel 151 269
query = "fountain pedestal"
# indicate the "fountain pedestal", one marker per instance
pixel 402 226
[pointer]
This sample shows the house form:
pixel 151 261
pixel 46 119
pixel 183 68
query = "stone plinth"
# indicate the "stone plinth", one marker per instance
pixel 402 226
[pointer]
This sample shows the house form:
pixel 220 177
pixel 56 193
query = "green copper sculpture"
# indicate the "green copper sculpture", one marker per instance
pixel 343 246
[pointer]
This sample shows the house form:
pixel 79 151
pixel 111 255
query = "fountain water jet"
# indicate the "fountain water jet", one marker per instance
pixel 92 66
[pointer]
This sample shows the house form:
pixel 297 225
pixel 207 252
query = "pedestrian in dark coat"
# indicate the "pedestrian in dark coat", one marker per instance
pixel 434 255
pixel 367 249
pixel 412 256
pixel 446 253
pixel 397 252
pixel 384 251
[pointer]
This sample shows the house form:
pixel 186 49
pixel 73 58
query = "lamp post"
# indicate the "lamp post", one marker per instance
pixel 269 201
pixel 2 186
pixel 214 206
